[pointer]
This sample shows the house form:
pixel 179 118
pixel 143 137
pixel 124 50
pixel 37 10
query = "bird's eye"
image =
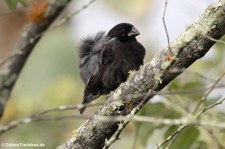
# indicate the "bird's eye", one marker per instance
pixel 127 29
pixel 124 29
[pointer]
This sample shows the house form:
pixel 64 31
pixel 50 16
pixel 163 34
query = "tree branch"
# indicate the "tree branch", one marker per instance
pixel 13 66
pixel 153 76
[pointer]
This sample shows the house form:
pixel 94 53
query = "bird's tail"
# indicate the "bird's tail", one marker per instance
pixel 82 110
pixel 86 100
pixel 84 103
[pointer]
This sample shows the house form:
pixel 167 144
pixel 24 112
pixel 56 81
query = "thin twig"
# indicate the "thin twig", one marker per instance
pixel 210 107
pixel 203 77
pixel 214 137
pixel 190 121
pixel 164 24
pixel 129 117
pixel 69 16
pixel 135 137
pixel 209 91
pixel 172 136
pixel 189 91
pixel 216 40
pixel 36 116
pixel 42 116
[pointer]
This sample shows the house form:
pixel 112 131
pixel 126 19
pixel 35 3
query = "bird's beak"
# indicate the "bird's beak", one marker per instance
pixel 133 32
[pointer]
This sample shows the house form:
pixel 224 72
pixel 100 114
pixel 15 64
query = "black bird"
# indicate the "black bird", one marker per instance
pixel 106 59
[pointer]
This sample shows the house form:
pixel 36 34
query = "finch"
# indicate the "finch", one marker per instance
pixel 106 59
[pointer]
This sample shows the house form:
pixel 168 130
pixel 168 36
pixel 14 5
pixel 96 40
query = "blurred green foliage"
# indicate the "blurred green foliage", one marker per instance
pixel 185 139
pixel 141 6
pixel 49 79
pixel 12 4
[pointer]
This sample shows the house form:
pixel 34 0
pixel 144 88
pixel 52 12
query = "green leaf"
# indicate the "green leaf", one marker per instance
pixel 23 2
pixel 145 130
pixel 175 84
pixel 185 139
pixel 12 4
pixel 160 110
pixel 201 145
pixel 170 131
pixel 212 100
pixel 153 109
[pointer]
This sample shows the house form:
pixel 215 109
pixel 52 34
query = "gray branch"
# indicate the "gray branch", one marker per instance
pixel 193 44
pixel 11 69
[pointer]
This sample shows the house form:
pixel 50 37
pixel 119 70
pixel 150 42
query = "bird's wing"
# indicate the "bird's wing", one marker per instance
pixel 92 65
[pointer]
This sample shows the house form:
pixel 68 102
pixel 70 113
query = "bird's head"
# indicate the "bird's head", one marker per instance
pixel 123 31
